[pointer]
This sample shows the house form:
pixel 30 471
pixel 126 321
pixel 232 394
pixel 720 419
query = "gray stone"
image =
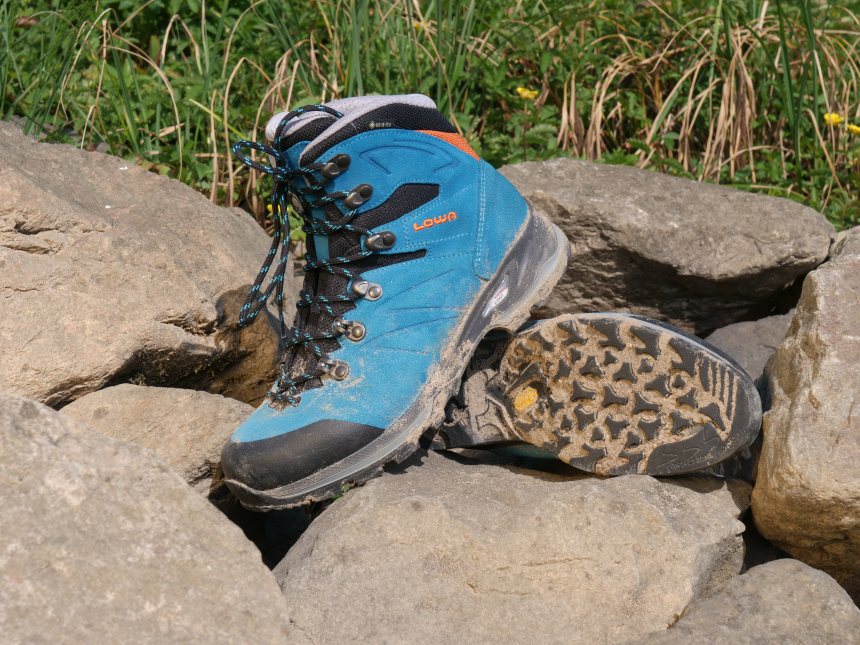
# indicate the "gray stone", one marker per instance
pixel 807 495
pixel 779 603
pixel 468 552
pixel 753 342
pixel 184 427
pixel 110 273
pixel 698 255
pixel 102 542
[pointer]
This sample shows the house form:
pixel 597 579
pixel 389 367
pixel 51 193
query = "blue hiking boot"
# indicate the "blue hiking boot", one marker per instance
pixel 416 248
pixel 608 393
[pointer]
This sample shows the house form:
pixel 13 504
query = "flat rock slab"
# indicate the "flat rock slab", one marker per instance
pixel 110 273
pixel 784 602
pixel 467 552
pixel 753 342
pixel 186 428
pixel 807 495
pixel 698 255
pixel 102 542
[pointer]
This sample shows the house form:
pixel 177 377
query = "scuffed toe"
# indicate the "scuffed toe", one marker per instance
pixel 284 459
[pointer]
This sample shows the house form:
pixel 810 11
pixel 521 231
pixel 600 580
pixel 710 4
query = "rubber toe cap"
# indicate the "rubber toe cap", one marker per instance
pixel 287 458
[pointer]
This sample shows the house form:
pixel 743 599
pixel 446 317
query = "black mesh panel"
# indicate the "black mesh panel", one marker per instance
pixel 405 199
pixel 308 132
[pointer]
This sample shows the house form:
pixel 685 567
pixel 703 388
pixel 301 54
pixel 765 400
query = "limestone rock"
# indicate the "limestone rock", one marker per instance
pixel 783 602
pixel 807 495
pixel 110 273
pixel 454 552
pixel 184 427
pixel 698 255
pixel 753 342
pixel 103 543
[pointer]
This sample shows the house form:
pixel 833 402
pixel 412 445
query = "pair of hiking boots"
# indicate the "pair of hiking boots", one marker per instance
pixel 416 251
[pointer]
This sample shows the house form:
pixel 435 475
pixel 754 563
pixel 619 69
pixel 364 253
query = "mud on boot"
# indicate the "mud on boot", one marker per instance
pixel 416 249
pixel 607 393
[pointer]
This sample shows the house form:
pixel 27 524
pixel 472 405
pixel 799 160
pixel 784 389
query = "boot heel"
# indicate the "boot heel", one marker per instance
pixel 526 276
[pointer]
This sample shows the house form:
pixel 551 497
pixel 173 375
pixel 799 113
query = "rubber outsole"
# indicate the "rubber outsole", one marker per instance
pixel 612 394
pixel 533 265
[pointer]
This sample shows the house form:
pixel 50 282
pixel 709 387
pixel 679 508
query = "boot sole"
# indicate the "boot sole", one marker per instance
pixel 616 394
pixel 531 268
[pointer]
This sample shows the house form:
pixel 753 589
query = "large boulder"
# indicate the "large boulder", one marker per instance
pixel 102 542
pixel 783 602
pixel 186 428
pixel 753 342
pixel 698 255
pixel 452 552
pixel 807 496
pixel 110 273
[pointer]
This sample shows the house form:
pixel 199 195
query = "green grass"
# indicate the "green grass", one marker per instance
pixel 731 91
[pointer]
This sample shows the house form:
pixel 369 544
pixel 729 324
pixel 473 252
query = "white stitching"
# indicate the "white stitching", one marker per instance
pixel 480 263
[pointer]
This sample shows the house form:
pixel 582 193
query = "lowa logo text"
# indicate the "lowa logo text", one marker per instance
pixel 430 222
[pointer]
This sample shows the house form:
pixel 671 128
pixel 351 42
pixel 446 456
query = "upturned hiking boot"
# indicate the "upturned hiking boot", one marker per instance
pixel 611 394
pixel 416 248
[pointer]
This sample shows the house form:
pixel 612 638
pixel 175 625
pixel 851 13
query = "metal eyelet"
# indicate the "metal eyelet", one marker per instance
pixel 338 370
pixel 358 195
pixel 380 241
pixel 336 166
pixel 367 289
pixel 296 203
pixel 352 329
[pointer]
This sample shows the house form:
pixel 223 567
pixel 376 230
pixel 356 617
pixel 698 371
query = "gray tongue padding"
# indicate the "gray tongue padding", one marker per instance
pixel 353 109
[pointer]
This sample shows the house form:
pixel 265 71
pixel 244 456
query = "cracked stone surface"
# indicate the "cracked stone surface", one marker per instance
pixel 807 495
pixel 186 428
pixel 454 552
pixel 102 542
pixel 694 254
pixel 783 602
pixel 110 273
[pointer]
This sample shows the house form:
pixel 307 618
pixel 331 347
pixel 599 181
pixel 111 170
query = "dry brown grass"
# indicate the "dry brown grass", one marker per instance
pixel 684 91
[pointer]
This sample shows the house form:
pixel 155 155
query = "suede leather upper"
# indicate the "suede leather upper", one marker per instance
pixel 423 298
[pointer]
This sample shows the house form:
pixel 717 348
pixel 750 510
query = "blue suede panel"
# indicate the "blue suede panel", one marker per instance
pixel 423 299
pixel 504 211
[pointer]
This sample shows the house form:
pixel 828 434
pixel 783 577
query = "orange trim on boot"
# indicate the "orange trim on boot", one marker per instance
pixel 456 140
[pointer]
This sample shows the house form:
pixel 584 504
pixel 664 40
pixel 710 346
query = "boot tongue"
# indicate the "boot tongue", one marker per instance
pixel 302 129
pixel 287 138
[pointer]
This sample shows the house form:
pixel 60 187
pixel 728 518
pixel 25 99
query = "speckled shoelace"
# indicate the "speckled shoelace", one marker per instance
pixel 287 189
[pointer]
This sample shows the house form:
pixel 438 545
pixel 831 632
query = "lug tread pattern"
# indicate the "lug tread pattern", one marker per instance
pixel 619 396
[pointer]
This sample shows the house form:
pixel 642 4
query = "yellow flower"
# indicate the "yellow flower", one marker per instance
pixel 831 118
pixel 853 129
pixel 526 93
